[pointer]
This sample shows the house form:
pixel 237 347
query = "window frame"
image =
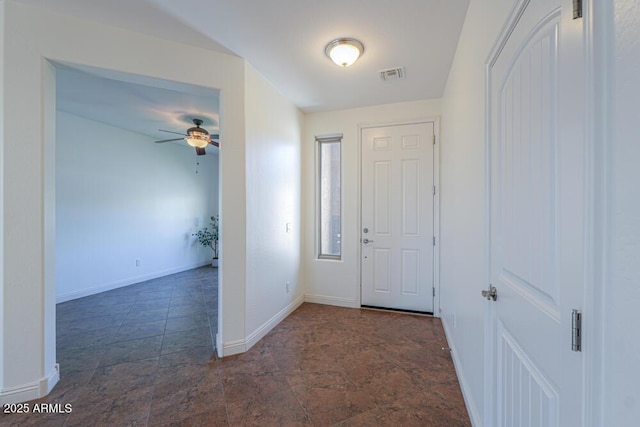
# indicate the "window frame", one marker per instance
pixel 319 140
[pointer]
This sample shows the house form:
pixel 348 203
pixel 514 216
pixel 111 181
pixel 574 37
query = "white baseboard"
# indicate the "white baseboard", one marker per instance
pixel 466 393
pixel 329 300
pixel 126 282
pixel 263 330
pixel 240 346
pixel 35 390
pixel 219 346
pixel 233 347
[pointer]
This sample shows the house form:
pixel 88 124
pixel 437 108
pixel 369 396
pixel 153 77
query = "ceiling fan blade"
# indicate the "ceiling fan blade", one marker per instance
pixel 215 136
pixel 215 143
pixel 200 151
pixel 170 131
pixel 167 140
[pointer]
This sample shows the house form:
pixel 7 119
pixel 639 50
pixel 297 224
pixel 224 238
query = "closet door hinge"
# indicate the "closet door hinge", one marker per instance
pixel 577 9
pixel 576 330
pixel 434 139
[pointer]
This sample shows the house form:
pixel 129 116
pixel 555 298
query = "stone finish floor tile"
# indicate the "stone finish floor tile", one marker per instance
pixel 143 355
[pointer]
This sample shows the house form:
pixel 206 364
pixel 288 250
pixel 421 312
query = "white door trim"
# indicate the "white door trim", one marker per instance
pixel 436 200
pixel 597 55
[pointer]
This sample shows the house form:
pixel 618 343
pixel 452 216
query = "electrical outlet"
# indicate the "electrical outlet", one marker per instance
pixel 286 287
pixel 138 263
pixel 287 227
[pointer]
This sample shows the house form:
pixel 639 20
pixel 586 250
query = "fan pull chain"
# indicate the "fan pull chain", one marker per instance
pixel 197 164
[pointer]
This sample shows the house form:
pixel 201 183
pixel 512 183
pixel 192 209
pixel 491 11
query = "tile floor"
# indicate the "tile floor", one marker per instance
pixel 142 355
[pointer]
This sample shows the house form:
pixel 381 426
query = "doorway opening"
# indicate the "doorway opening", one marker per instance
pixel 131 279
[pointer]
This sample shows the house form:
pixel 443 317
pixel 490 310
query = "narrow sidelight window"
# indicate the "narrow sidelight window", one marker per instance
pixel 329 206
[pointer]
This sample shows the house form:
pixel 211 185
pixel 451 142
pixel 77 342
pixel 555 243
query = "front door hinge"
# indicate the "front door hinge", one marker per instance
pixel 576 330
pixel 434 139
pixel 434 240
pixel 577 9
pixel 434 190
pixel 434 291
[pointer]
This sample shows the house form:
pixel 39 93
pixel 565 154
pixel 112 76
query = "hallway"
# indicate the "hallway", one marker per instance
pixel 143 355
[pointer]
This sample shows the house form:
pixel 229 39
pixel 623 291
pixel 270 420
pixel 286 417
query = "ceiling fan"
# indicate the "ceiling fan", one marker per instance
pixel 196 137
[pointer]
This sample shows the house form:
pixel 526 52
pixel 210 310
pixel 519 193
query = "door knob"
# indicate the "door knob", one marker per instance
pixel 365 240
pixel 491 294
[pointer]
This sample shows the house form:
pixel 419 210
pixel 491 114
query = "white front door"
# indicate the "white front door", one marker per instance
pixel 537 165
pixel 397 217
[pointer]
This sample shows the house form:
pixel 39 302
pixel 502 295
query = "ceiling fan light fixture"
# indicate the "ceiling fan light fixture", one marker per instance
pixel 197 141
pixel 344 51
pixel 196 136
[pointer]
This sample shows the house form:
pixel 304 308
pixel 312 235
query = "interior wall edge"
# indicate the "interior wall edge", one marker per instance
pixel 470 403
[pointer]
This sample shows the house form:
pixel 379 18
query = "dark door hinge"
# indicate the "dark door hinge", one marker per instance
pixel 577 9
pixel 576 330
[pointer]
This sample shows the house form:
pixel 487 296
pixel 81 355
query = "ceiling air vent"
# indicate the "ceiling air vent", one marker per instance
pixel 396 73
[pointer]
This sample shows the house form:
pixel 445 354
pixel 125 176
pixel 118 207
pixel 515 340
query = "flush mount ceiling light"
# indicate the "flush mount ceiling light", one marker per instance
pixel 344 51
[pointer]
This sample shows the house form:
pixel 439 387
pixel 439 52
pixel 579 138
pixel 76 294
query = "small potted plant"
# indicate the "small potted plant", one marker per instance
pixel 208 236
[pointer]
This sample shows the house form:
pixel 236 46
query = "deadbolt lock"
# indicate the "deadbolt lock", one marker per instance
pixel 491 294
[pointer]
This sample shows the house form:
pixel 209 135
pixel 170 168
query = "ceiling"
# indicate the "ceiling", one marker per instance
pixel 284 40
pixel 139 104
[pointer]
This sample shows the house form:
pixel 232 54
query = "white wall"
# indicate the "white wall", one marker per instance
pixel 273 128
pixel 337 282
pixel 621 287
pixel 32 36
pixel 463 252
pixel 2 184
pixel 122 198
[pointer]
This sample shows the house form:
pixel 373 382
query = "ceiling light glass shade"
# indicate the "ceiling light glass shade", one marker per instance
pixel 344 52
pixel 197 140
